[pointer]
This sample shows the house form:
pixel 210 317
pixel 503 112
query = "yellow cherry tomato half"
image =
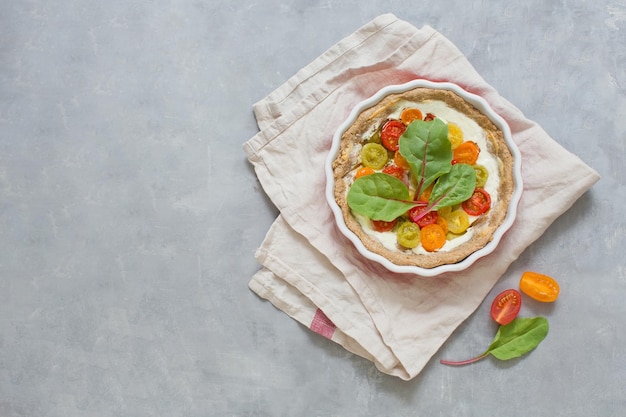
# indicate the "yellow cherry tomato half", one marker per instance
pixel 455 135
pixel 408 235
pixel 458 221
pixel 482 175
pixel 375 138
pixel 374 155
pixel 539 287
pixel 444 211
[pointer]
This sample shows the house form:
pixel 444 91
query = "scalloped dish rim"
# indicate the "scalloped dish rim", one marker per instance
pixel 480 104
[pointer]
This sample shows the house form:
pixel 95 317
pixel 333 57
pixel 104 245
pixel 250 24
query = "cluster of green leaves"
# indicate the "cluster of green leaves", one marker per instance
pixel 426 148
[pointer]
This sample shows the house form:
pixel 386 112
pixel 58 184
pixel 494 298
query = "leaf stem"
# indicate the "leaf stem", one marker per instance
pixel 424 212
pixel 465 362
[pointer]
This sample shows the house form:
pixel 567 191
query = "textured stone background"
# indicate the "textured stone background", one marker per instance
pixel 129 215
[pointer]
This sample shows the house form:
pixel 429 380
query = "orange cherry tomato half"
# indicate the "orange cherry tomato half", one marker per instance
pixel 539 287
pixel 466 153
pixel 478 203
pixel 410 114
pixel 432 237
pixel 401 161
pixel 394 171
pixel 363 171
pixel 506 306
pixel 441 221
pixel 390 134
pixel 383 226
pixel 425 195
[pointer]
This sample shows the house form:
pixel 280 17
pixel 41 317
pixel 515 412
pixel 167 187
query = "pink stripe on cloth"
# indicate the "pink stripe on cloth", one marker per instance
pixel 322 324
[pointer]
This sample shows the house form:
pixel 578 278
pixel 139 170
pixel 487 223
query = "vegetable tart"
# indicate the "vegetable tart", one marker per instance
pixel 423 178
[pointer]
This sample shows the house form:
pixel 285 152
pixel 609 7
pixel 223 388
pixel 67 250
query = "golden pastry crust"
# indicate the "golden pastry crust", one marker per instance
pixel 348 159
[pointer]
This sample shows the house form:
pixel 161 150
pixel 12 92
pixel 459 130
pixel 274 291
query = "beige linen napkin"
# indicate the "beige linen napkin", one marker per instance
pixel 312 272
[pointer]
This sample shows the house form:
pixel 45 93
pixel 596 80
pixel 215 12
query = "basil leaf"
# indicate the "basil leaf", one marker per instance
pixel 426 148
pixel 379 197
pixel 518 337
pixel 453 187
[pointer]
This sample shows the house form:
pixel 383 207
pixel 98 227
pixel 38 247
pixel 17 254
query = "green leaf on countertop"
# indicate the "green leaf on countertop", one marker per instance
pixel 512 340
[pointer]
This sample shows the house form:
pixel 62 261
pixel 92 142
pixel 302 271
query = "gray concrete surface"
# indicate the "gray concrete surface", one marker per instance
pixel 129 215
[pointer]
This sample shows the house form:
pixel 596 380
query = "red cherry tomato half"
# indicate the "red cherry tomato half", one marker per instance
pixel 506 306
pixel 394 171
pixel 429 117
pixel 390 134
pixel 416 215
pixel 478 203
pixel 383 226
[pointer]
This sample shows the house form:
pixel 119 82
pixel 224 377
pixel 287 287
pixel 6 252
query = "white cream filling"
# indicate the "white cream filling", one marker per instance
pixel 471 131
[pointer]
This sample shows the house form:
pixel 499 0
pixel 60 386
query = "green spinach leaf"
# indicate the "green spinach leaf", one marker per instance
pixel 453 187
pixel 380 197
pixel 512 340
pixel 426 148
pixel 518 337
